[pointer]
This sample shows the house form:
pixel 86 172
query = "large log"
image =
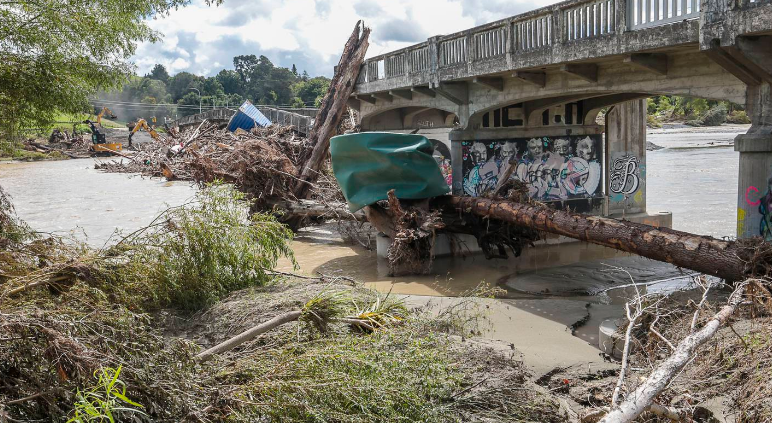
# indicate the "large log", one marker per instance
pixel 333 105
pixel 725 259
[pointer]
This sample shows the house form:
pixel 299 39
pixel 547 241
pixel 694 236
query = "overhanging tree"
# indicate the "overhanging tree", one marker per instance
pixel 54 54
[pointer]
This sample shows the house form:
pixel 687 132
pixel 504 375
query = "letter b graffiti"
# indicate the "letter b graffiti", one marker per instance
pixel 624 175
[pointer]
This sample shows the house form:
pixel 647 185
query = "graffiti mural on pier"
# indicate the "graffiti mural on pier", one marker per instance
pixel 554 168
pixel 442 155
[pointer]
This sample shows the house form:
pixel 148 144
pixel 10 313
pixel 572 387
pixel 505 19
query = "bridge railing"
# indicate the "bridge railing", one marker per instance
pixel 648 13
pixel 569 21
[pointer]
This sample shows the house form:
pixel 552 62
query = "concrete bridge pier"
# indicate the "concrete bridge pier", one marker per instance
pixel 754 202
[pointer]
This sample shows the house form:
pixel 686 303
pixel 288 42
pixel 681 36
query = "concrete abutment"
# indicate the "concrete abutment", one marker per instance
pixel 754 191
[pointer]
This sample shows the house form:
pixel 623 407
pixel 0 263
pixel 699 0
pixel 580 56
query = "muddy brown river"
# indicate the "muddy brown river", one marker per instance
pixel 694 177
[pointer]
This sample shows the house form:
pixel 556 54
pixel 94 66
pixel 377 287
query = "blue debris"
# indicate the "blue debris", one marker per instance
pixel 247 117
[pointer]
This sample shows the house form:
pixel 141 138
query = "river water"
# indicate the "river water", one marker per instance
pixel 694 177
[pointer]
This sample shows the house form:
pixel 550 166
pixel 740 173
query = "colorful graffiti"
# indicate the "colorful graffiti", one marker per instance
pixel 558 168
pixel 765 209
pixel 442 155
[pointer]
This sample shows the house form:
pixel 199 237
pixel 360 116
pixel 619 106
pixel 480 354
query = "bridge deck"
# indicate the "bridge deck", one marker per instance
pixel 567 32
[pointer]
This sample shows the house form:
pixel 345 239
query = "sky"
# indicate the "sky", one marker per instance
pixel 308 33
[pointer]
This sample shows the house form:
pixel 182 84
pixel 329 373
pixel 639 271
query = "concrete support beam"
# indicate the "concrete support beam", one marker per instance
pixel 495 83
pixel 536 106
pixel 405 94
pixel 755 53
pixel 456 93
pixel 366 98
pixel 592 106
pixel 354 104
pixel 586 71
pixel 384 97
pixel 536 78
pixel 424 91
pixel 726 61
pixel 653 62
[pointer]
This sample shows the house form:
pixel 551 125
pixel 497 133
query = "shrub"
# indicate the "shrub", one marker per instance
pixel 738 117
pixel 714 117
pixel 198 253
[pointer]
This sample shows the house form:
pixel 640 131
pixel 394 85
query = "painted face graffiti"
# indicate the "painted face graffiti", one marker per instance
pixel 585 149
pixel 441 155
pixel 535 148
pixel 562 146
pixel 551 174
pixel 509 152
pixel 479 153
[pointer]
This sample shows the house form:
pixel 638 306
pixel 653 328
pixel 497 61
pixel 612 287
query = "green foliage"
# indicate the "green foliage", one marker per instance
pixel 159 72
pixel 13 232
pixel 201 252
pixel 738 117
pixel 230 81
pixel 312 91
pixel 106 401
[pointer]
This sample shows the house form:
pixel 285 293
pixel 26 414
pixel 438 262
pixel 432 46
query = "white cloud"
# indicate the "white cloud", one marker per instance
pixel 308 33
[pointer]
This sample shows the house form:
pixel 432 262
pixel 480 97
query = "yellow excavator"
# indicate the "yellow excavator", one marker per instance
pixel 102 113
pixel 99 142
pixel 142 124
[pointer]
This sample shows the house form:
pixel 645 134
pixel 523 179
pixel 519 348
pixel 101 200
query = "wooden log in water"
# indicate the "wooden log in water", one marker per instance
pixel 724 259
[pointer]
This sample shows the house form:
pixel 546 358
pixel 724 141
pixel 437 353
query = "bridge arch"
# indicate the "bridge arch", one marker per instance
pixel 408 117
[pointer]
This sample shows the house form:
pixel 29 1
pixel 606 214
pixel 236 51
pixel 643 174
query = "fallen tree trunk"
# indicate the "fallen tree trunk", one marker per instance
pixel 725 259
pixel 333 105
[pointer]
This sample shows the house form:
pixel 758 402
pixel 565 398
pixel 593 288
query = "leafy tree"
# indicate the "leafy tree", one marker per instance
pixel 212 87
pixel 189 99
pixel 56 54
pixel 311 90
pixel 244 66
pixel 159 72
pixel 180 84
pixel 231 81
pixel 294 70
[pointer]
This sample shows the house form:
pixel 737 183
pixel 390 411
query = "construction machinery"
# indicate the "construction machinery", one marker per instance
pixel 102 113
pixel 142 124
pixel 99 142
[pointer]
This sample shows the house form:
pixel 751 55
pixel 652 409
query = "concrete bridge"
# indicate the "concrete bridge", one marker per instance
pixel 301 119
pixel 527 90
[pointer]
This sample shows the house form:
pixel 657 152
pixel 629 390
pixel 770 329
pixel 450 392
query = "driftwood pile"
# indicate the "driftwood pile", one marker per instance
pixel 263 163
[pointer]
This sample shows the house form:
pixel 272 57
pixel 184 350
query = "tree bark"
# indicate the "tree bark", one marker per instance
pixel 332 107
pixel 704 254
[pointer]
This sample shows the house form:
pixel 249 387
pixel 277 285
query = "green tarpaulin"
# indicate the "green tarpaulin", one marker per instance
pixel 369 164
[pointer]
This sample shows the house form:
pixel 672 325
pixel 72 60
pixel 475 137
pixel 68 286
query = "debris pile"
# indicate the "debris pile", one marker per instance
pixel 264 163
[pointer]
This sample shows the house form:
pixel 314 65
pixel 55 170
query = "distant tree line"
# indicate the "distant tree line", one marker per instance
pixel 254 78
pixel 694 111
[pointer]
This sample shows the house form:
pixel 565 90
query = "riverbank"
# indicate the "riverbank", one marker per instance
pixel 137 312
